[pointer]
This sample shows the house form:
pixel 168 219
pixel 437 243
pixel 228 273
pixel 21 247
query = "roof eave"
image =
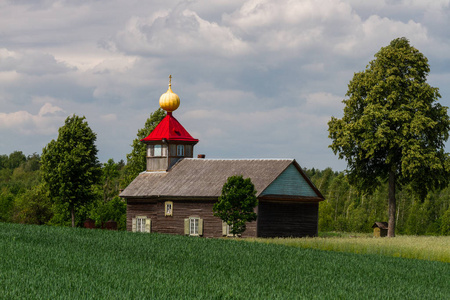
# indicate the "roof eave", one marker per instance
pixel 170 197
pixel 288 198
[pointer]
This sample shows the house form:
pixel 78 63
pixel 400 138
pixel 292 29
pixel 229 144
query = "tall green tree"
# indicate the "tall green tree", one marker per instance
pixel 110 176
pixel 70 166
pixel 393 129
pixel 16 159
pixel 236 203
pixel 4 160
pixel 136 160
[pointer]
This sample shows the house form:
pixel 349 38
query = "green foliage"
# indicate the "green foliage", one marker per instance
pixel 391 122
pixel 236 204
pixel 4 161
pixel 136 160
pixel 70 167
pixel 108 206
pixel 110 179
pixel 6 206
pixel 18 175
pixel 115 209
pixel 76 263
pixel 15 159
pixel 33 207
pixel 25 199
pixel 33 163
pixel 345 208
pixel 445 223
pixel 392 127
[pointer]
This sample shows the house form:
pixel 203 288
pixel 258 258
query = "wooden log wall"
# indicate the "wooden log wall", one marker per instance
pixel 286 219
pixel 212 226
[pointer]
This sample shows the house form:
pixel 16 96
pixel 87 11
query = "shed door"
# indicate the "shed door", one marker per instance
pixel 287 219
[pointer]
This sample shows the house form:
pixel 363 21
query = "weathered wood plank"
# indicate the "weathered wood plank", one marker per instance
pixel 287 219
pixel 212 226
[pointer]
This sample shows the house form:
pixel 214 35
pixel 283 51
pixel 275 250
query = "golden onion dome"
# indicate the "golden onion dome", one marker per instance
pixel 169 101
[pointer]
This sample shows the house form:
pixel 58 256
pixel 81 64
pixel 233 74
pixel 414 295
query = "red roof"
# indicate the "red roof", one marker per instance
pixel 170 129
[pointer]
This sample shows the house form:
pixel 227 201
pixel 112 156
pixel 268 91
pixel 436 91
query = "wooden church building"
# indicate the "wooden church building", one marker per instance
pixel 177 192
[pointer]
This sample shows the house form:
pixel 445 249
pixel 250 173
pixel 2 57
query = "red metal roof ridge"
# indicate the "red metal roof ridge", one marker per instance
pixel 170 129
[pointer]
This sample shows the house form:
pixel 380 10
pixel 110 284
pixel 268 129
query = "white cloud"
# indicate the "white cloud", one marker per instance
pixel 32 63
pixel 177 32
pixel 49 110
pixel 323 104
pixel 45 122
pixel 256 78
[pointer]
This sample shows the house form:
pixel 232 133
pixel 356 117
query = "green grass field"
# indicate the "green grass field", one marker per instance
pixel 41 262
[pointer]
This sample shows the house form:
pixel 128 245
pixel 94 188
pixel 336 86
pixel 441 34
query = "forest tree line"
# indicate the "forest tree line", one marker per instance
pixel 23 199
pixel 347 209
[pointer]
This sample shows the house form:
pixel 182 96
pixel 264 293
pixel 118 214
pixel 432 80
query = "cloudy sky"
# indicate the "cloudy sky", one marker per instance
pixel 256 78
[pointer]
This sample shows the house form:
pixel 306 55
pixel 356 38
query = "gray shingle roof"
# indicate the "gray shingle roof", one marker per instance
pixel 192 177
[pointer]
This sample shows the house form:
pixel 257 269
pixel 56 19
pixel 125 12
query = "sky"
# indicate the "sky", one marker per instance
pixel 256 78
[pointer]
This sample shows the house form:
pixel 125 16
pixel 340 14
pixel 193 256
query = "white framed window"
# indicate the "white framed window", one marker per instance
pixel 141 224
pixel 193 226
pixel 180 150
pixel 157 150
pixel 168 208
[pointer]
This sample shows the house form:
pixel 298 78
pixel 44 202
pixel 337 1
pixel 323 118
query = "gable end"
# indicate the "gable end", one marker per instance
pixel 291 183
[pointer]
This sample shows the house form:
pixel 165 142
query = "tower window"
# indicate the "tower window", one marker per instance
pixel 157 150
pixel 180 150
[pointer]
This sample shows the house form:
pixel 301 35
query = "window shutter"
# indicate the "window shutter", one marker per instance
pixel 200 226
pixel 186 226
pixel 148 225
pixel 133 224
pixel 224 228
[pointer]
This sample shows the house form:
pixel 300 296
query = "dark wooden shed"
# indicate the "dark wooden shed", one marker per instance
pixel 380 229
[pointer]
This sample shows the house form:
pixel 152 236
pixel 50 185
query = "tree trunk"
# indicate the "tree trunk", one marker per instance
pixel 391 226
pixel 73 216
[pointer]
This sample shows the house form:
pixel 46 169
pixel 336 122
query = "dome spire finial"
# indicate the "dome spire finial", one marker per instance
pixel 169 101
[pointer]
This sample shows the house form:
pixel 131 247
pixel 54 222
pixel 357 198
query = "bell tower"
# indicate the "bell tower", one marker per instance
pixel 169 141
